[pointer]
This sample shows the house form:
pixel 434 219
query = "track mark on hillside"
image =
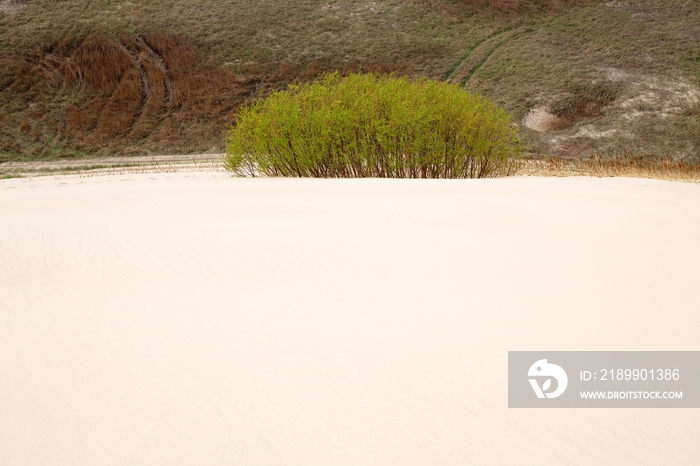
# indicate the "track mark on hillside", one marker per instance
pixel 157 88
pixel 144 80
pixel 480 53
pixel 472 71
pixel 161 64
pixel 464 58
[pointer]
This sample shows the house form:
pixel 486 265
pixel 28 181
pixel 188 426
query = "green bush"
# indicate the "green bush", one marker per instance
pixel 366 125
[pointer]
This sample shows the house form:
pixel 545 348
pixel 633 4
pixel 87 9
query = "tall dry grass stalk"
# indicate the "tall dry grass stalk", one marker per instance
pixel 626 164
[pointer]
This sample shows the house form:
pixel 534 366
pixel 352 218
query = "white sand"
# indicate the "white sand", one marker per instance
pixel 204 320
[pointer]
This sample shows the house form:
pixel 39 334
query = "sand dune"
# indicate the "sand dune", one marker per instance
pixel 197 319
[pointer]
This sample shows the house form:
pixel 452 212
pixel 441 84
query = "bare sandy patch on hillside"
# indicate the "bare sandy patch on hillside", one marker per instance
pixel 646 101
pixel 11 6
pixel 541 120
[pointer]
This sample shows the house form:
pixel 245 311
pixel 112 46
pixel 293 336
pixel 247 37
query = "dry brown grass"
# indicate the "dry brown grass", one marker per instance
pixel 198 86
pixel 157 87
pixel 98 64
pixel 627 165
pixel 109 95
pixel 104 69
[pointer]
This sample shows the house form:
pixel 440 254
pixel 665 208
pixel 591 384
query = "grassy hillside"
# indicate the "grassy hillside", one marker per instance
pixel 80 77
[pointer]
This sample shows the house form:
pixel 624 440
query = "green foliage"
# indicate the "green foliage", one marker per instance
pixel 366 125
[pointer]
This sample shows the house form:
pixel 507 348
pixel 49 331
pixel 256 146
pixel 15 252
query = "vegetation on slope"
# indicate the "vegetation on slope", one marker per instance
pixel 577 76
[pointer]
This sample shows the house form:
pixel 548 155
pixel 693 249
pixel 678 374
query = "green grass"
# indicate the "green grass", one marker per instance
pixel 545 62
